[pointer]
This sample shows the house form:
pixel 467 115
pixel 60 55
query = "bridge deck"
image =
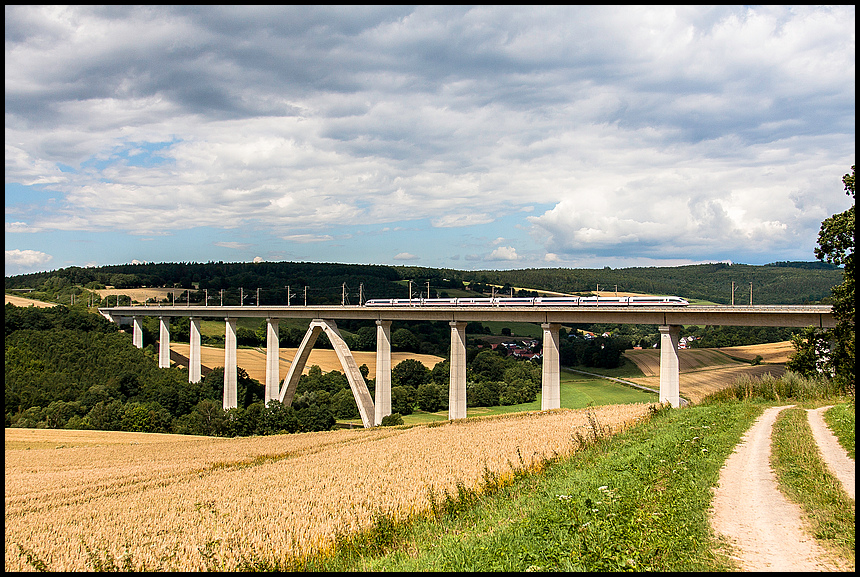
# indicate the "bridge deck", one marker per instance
pixel 756 315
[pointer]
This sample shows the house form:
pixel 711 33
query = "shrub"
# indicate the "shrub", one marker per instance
pixel 428 398
pixel 392 419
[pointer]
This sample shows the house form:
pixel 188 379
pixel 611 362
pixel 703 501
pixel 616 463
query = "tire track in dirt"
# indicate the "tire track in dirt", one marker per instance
pixel 836 458
pixel 754 516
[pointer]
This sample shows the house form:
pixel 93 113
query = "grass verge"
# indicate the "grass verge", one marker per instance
pixel 840 420
pixel 805 479
pixel 636 500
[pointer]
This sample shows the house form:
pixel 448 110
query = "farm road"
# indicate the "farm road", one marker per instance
pixel 841 465
pixel 751 512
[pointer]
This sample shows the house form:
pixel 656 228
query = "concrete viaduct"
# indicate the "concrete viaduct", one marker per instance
pixel 323 319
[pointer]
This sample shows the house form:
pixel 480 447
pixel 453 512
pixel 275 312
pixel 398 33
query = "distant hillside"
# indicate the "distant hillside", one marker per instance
pixel 327 283
pixel 778 283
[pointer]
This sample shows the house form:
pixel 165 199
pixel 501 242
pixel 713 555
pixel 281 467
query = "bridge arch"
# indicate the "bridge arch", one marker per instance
pixel 356 381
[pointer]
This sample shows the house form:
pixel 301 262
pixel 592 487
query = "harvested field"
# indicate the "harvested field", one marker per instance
pixel 203 503
pixel 25 302
pixel 697 385
pixel 53 439
pixel 769 352
pixel 140 295
pixel 705 371
pixel 648 361
pixel 254 360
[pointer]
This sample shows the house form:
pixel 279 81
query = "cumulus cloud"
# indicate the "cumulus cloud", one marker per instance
pixel 504 253
pixel 27 258
pixel 616 132
pixel 14 227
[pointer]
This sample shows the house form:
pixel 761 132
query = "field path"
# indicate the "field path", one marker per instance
pixel 751 512
pixel 837 459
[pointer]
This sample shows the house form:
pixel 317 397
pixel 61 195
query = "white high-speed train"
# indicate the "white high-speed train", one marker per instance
pixel 571 301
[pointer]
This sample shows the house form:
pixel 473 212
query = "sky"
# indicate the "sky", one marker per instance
pixel 459 137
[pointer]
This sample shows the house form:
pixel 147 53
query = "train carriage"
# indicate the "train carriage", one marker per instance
pixel 569 301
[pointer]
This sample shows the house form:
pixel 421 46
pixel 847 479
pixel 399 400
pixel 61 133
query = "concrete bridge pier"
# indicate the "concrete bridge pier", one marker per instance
pixel 670 379
pixel 163 342
pixel 273 376
pixel 137 332
pixel 291 381
pixel 231 375
pixel 382 395
pixel 457 387
pixel 353 374
pixel 194 364
pixel 550 376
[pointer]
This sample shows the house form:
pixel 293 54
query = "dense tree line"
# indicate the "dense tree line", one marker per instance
pixel 68 368
pixel 709 337
pixel 776 283
pixel 601 352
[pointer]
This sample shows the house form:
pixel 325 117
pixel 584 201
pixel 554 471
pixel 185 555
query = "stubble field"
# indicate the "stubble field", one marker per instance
pixel 25 302
pixel 705 371
pixel 81 500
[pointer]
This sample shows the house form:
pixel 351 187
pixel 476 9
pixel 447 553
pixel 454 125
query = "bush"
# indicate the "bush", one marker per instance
pixel 402 400
pixel 392 420
pixel 428 398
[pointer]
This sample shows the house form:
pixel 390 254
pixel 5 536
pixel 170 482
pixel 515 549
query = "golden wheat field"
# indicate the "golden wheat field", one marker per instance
pixel 174 503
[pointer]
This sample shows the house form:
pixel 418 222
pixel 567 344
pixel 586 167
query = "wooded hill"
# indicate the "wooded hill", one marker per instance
pixel 775 283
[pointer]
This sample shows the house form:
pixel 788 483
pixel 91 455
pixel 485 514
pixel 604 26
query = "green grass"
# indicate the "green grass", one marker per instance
pixel 840 419
pixel 577 392
pixel 805 479
pixel 627 369
pixel 635 501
